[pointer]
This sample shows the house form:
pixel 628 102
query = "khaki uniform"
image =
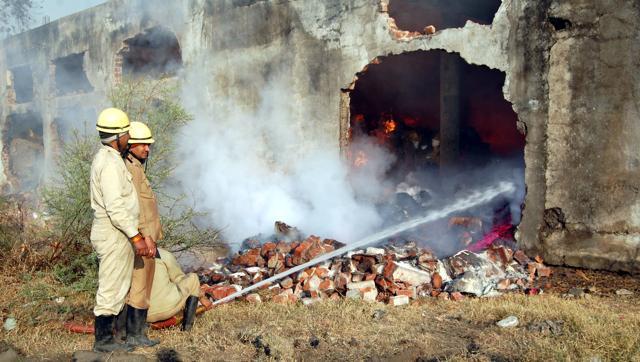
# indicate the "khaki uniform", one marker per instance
pixel 171 288
pixel 115 205
pixel 149 225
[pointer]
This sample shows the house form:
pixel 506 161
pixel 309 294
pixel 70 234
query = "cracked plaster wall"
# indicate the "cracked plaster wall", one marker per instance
pixel 321 45
pixel 593 170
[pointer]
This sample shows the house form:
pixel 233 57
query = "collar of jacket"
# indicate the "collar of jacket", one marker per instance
pixel 134 160
pixel 111 149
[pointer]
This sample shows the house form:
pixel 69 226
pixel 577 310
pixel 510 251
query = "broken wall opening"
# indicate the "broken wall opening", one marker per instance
pixel 24 149
pixel 21 81
pixel 156 52
pixel 70 76
pixel 448 126
pixel 415 15
pixel 69 121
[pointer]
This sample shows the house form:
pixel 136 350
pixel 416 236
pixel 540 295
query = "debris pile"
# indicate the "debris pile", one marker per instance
pixel 393 273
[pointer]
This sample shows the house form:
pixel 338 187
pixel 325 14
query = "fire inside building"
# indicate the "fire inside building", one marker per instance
pixel 449 88
pixel 443 120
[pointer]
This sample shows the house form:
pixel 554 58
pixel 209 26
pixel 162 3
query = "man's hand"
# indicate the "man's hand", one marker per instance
pixel 141 247
pixel 151 247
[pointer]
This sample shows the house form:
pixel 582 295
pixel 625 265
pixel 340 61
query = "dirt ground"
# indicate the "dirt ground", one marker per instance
pixel 600 325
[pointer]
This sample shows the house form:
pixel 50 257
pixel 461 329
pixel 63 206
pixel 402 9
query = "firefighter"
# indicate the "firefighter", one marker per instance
pixel 135 317
pixel 115 226
pixel 174 291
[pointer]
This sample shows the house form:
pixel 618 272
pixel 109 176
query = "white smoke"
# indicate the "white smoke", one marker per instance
pixel 250 167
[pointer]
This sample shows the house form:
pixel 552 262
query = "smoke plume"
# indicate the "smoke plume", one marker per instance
pixel 249 168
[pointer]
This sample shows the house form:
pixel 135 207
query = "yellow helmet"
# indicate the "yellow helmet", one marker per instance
pixel 112 120
pixel 140 133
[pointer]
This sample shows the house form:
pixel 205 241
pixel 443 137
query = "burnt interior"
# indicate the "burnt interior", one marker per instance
pixel 415 15
pixel 446 122
pixel 70 76
pixel 77 119
pixel 155 52
pixel 22 83
pixel 24 148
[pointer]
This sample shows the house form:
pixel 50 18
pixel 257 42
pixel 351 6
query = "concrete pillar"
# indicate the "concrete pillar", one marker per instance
pixel 449 111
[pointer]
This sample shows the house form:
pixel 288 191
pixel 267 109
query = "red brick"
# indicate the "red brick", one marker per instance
pixel 521 257
pixel 283 247
pixel 369 276
pixel 246 260
pixel 457 296
pixel 314 252
pixel 276 261
pixel 254 251
pixel 302 276
pixel 218 292
pixel 388 270
pixel 436 281
pixel 253 298
pixel 281 299
pixel 410 292
pixel 312 283
pixel 342 280
pixel 267 249
pixel 296 260
pixel 435 293
pixel 288 261
pixel 326 285
pixel 300 251
pixel 543 271
pixel 322 272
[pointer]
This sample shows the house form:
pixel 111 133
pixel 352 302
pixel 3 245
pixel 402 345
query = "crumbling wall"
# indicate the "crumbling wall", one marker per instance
pixel 73 65
pixel 570 69
pixel 593 171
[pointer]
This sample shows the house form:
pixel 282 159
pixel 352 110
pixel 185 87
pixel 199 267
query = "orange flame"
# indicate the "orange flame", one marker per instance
pixel 389 126
pixel 358 118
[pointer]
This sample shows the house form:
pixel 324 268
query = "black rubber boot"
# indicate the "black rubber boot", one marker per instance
pixel 120 328
pixel 189 315
pixel 104 336
pixel 137 328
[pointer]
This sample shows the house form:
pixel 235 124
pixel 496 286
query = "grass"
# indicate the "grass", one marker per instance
pixel 600 326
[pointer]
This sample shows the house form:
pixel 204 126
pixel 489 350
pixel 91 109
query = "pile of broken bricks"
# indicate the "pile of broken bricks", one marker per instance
pixel 394 273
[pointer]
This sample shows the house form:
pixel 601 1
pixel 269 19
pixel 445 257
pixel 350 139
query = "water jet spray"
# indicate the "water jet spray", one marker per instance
pixel 474 199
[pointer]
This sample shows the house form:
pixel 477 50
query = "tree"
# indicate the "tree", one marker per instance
pixel 67 198
pixel 15 15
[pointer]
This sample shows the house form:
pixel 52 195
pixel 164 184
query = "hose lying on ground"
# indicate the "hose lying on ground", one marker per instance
pixel 77 327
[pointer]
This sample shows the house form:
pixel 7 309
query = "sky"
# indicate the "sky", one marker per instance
pixel 56 9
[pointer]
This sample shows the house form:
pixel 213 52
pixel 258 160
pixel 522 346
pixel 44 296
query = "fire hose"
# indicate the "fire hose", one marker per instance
pixel 474 199
pixel 77 327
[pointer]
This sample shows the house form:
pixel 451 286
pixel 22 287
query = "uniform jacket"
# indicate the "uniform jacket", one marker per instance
pixel 171 287
pixel 149 220
pixel 113 197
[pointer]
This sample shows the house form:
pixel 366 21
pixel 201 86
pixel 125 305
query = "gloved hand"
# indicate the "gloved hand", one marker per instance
pixel 151 247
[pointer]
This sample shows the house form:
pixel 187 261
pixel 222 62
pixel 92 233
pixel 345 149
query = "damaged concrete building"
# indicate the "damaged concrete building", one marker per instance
pixel 555 82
